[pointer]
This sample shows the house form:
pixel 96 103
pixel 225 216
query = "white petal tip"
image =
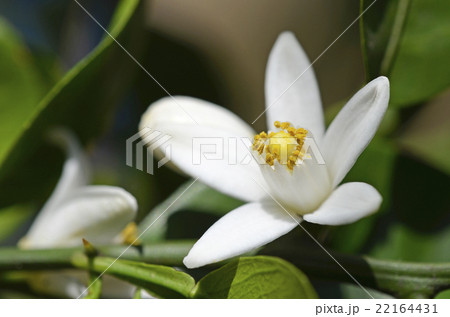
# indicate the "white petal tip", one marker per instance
pixel 380 85
pixel 192 262
pixel 130 199
pixel 382 81
pixel 285 38
pixel 163 109
pixel 197 258
pixel 130 202
pixel 286 34
pixel 96 213
pixel 349 203
pixel 187 261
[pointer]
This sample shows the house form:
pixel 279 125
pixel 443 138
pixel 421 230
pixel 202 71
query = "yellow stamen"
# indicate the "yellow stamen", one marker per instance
pixel 130 233
pixel 284 146
pixel 269 159
pixel 291 130
pixel 285 125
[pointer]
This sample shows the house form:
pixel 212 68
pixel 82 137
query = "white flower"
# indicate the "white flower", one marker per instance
pixel 286 190
pixel 75 211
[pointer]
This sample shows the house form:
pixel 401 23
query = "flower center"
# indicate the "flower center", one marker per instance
pixel 285 145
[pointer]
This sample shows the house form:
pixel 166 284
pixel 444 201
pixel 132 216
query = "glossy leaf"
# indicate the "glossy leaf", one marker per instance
pixel 255 277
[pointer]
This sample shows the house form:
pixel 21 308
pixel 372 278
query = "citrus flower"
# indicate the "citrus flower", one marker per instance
pixel 281 186
pixel 75 211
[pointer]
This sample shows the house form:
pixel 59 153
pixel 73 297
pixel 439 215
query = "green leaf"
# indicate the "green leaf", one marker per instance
pixel 12 217
pixel 160 281
pixel 190 196
pixel 443 295
pixel 255 277
pixel 21 87
pixel 83 100
pixel 407 40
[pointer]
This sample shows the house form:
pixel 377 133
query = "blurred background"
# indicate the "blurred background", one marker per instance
pixel 217 51
pixel 212 50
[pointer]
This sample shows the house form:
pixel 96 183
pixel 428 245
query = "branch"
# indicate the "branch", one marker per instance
pixel 401 279
pixel 167 253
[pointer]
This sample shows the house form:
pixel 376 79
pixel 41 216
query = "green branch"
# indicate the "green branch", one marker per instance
pixel 401 279
pixel 395 37
pixel 167 253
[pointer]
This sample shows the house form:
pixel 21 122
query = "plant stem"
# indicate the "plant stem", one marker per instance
pixel 395 37
pixel 401 279
pixel 167 253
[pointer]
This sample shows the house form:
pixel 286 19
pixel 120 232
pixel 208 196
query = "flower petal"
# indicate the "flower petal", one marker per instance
pixel 216 149
pixel 75 173
pixel 96 213
pixel 292 93
pixel 241 230
pixel 354 127
pixel 184 110
pixel 347 204
pixel 301 190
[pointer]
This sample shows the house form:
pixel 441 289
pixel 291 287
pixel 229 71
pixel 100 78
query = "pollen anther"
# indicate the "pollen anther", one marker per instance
pixel 284 145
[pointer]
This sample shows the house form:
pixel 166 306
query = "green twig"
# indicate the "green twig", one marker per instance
pixel 167 253
pixel 395 37
pixel 401 279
